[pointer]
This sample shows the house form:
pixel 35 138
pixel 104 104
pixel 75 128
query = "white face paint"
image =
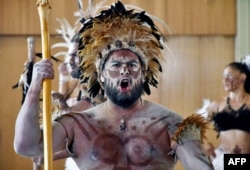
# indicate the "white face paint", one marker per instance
pixel 72 60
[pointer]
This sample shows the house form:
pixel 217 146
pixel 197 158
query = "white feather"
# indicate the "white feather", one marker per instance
pixel 91 10
pixel 203 111
pixel 246 60
pixel 66 32
pixel 62 53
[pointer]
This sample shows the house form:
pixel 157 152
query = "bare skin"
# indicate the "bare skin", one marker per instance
pixel 233 140
pixel 95 138
pixel 239 144
pixel 112 146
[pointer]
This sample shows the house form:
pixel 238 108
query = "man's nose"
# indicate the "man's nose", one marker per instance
pixel 71 60
pixel 124 69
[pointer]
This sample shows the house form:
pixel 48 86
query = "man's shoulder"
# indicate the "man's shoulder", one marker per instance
pixel 160 110
pixel 153 106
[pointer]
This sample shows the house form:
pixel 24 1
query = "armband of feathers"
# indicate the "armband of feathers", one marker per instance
pixel 192 128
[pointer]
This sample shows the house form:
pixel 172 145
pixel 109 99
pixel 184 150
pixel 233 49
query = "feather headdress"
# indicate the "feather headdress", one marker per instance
pixel 114 29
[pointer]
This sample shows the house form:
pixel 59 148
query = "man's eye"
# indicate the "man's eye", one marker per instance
pixel 133 65
pixel 115 65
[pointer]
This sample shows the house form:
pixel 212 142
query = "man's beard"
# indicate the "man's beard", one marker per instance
pixel 123 100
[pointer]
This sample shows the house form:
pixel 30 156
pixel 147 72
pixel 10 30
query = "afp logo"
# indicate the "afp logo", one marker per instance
pixel 236 161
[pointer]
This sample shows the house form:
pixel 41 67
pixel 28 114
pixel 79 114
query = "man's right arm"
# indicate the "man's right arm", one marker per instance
pixel 28 134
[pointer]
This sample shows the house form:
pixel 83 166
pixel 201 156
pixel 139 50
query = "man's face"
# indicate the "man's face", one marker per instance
pixel 72 59
pixel 123 78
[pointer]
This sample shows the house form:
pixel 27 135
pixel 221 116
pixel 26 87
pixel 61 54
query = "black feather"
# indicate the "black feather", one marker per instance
pixel 29 78
pixel 94 90
pixel 146 88
pixel 158 63
pixel 15 85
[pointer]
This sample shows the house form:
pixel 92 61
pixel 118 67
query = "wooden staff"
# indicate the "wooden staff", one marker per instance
pixel 31 49
pixel 43 9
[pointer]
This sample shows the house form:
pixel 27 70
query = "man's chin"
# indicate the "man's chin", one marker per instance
pixel 125 93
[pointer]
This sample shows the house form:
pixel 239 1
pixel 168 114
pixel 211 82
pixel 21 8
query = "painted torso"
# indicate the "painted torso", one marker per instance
pixel 98 143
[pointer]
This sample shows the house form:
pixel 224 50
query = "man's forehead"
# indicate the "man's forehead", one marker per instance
pixel 123 55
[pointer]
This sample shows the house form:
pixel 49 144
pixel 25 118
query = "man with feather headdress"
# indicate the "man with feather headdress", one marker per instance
pixel 120 52
pixel 72 95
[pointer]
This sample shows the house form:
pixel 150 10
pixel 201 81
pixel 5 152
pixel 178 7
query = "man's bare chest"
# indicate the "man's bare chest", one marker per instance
pixel 141 143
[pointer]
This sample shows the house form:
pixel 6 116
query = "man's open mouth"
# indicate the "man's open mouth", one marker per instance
pixel 124 84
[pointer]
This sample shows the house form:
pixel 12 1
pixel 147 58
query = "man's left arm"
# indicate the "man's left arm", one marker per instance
pixel 187 144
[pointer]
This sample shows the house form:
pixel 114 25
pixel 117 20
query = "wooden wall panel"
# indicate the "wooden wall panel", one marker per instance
pixel 21 17
pixel 192 17
pixel 195 72
pixel 201 17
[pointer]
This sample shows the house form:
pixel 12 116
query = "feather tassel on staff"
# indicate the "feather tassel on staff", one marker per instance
pixel 25 78
pixel 43 10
